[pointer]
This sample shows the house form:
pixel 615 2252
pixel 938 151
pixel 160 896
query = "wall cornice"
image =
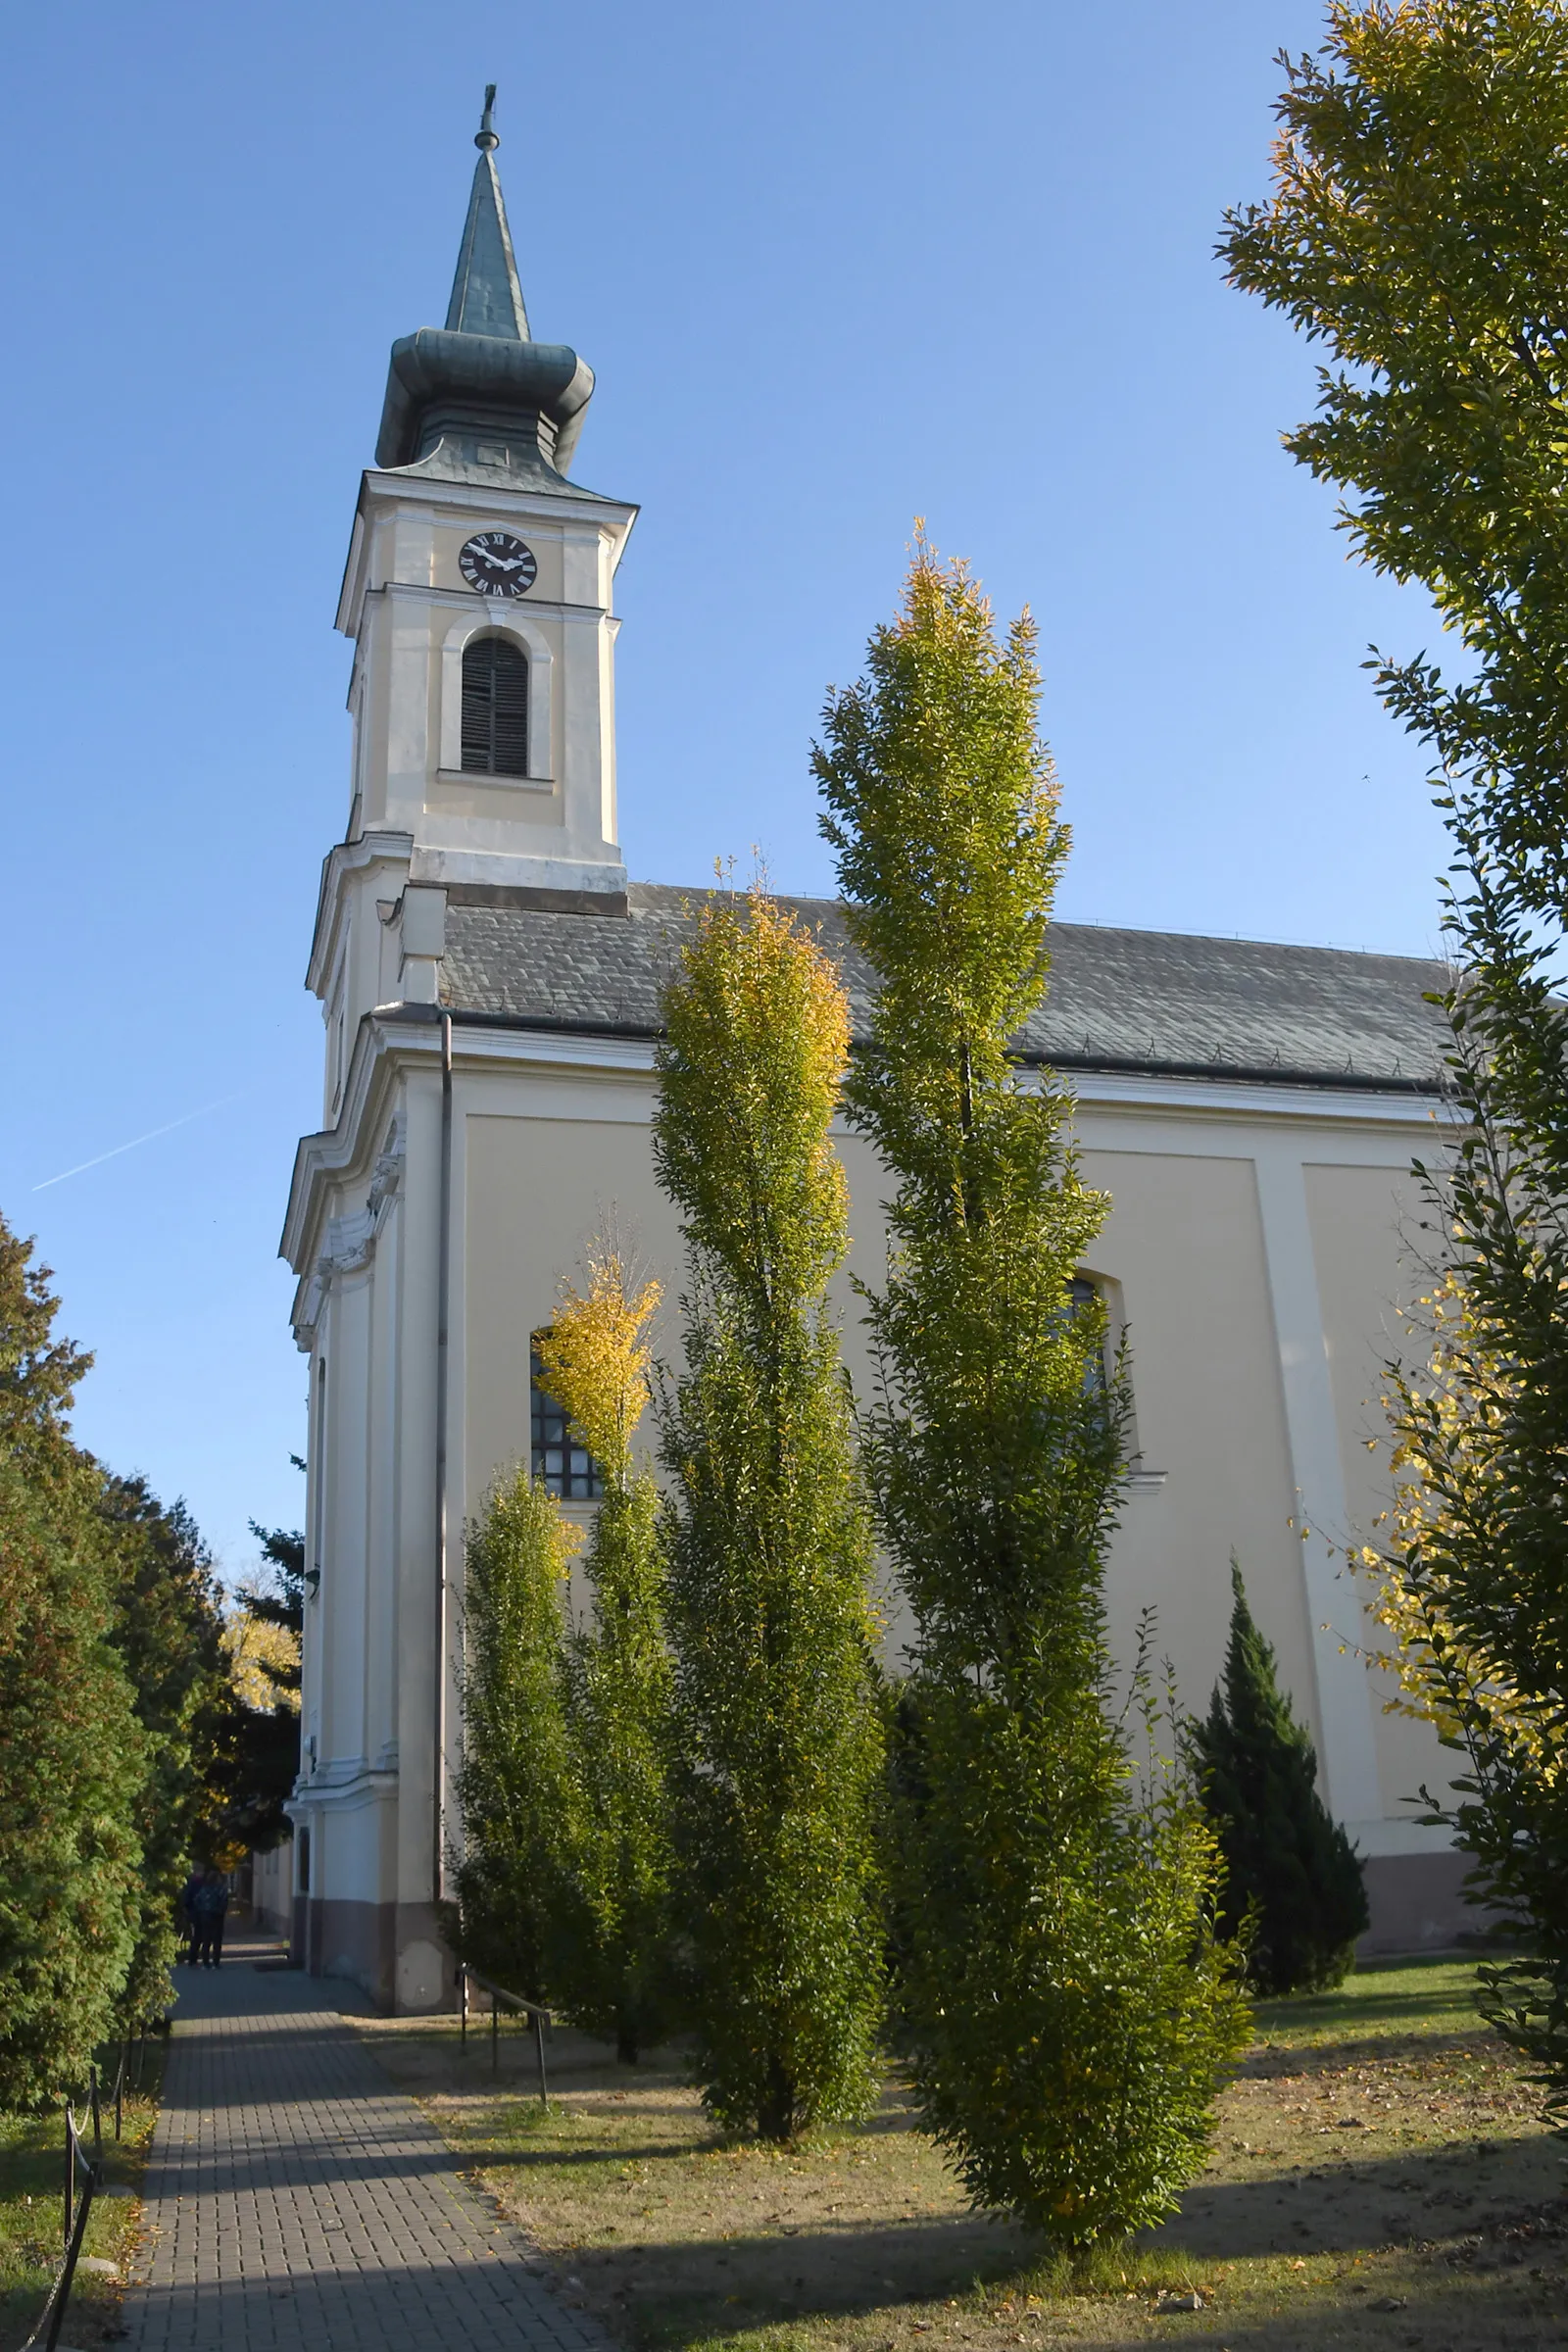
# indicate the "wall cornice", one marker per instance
pixel 555 1047
pixel 349 1241
pixel 343 858
pixel 391 1037
pixel 396 1037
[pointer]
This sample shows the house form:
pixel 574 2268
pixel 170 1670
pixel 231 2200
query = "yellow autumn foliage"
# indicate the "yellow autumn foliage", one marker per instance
pixel 595 1355
pixel 750 1160
pixel 250 1646
pixel 1450 1441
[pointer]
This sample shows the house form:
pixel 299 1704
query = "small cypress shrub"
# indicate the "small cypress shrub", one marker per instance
pixel 514 1786
pixel 1288 1862
pixel 609 1944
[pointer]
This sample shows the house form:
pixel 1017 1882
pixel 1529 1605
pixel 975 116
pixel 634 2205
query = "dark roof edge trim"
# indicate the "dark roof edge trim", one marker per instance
pixel 1250 1073
pixel 514 898
pixel 1247 1073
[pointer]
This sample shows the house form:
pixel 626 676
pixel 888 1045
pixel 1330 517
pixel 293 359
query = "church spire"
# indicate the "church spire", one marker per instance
pixel 479 397
pixel 486 297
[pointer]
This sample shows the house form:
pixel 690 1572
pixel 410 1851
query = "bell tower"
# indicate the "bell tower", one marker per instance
pixel 480 597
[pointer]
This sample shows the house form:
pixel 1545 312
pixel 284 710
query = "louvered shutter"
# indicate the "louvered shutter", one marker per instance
pixel 495 707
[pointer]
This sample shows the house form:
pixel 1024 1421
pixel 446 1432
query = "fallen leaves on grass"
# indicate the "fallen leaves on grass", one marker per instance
pixel 1436 2203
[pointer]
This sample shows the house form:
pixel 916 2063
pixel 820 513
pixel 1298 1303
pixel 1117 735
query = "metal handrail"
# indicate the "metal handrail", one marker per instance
pixel 77 2202
pixel 78 2206
pixel 514 2000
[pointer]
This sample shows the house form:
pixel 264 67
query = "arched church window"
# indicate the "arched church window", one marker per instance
pixel 560 1461
pixel 495 707
pixel 1082 1293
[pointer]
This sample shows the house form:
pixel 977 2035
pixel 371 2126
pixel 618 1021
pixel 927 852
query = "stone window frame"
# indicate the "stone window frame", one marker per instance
pixel 531 638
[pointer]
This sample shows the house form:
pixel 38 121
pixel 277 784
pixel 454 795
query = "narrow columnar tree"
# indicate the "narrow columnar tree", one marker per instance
pixel 614 1966
pixel 71 1753
pixel 778 1714
pixel 1292 1875
pixel 513 1784
pixel 1070 2011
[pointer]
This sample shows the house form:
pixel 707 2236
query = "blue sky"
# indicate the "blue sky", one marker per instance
pixel 835 266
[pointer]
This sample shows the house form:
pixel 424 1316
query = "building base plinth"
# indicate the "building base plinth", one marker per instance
pixel 1417 1904
pixel 395 1952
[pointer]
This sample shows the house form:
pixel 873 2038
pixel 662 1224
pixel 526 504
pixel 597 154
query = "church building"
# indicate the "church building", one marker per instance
pixel 489 980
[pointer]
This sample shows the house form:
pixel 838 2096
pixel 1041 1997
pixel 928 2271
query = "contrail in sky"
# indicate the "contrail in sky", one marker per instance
pixel 151 1135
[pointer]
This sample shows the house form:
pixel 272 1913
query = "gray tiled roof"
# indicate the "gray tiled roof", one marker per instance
pixel 1118 999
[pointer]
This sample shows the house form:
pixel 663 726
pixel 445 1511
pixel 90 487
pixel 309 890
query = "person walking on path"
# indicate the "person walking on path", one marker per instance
pixel 187 1921
pixel 294 2198
pixel 210 1905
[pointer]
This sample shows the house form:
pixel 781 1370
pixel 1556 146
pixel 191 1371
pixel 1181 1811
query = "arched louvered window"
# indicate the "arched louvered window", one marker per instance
pixel 495 707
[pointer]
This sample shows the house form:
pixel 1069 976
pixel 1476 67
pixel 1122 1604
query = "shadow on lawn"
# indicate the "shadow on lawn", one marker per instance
pixel 1417 2196
pixel 678 2295
pixel 1272 2061
pixel 494 2142
pixel 511 2158
pixel 675 2294
pixel 690 2289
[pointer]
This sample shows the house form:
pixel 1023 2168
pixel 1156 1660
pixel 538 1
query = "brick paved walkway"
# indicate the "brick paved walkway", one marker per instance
pixel 298 2203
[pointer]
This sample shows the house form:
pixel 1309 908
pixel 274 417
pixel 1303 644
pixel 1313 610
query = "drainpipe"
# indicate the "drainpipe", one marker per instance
pixel 442 1319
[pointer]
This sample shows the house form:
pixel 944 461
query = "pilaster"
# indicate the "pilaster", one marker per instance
pixel 1348 1748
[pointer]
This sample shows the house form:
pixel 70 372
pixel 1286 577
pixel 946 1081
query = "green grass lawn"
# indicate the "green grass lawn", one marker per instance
pixel 1389 1997
pixel 1379 2177
pixel 32 2182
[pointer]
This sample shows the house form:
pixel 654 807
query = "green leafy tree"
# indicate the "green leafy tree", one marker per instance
pixel 1418 229
pixel 257 1737
pixel 1293 1879
pixel 611 1967
pixel 514 1786
pixel 1069 2009
pixel 779 1722
pixel 71 1755
pixel 168 1627
pixel 279 1603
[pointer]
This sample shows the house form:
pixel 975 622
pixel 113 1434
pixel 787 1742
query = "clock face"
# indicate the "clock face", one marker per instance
pixel 497 565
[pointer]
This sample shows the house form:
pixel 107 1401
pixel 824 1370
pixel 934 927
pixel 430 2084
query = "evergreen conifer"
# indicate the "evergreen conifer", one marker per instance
pixel 1290 1868
pixel 71 1753
pixel 1069 2011
pixel 778 1722
pixel 167 1628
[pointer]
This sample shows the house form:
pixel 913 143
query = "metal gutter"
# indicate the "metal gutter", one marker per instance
pixel 442 1375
